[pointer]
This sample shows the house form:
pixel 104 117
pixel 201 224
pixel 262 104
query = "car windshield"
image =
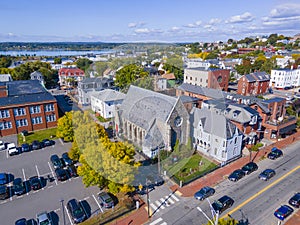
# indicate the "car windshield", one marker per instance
pixel 45 222
pixel 219 204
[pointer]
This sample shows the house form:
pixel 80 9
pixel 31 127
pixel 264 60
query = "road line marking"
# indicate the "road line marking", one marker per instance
pixel 174 197
pixel 86 198
pixel 61 141
pixel 261 191
pixel 23 171
pixel 7 153
pixel 156 221
pixel 52 173
pixel 50 186
pixel 161 205
pixel 37 170
pixel 169 199
pixel 164 223
pixel 69 215
pixel 97 203
pixel 56 210
pixel 164 202
pixel 154 207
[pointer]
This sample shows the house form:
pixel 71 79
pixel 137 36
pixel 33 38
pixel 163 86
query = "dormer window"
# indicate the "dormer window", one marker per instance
pixel 234 115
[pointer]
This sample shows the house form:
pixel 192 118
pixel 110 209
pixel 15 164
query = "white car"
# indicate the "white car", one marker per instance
pixel 43 218
pixel 2 145
pixel 12 149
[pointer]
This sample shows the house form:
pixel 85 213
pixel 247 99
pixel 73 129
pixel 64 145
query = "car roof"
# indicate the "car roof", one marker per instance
pixel 268 170
pixel 2 175
pixel 224 198
pixel 104 195
pixel 17 180
pixel 42 216
pixel 285 208
pixel 73 203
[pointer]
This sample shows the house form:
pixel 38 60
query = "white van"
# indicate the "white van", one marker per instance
pixel 12 149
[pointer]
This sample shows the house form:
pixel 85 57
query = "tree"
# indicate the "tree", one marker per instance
pixel 128 74
pixel 57 60
pixel 5 61
pixel 227 221
pixel 83 63
pixel 74 152
pixel 65 127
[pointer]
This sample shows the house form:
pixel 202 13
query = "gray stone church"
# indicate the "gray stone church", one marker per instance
pixel 152 120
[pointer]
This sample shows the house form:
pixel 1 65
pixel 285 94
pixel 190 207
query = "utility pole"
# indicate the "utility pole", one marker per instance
pixel 148 200
pixel 158 160
pixel 63 210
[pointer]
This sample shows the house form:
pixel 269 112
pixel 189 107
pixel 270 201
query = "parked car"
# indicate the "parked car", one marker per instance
pixel 283 212
pixel 35 183
pixel 43 218
pixel 12 149
pixel 72 171
pixel 61 174
pixel 105 200
pixel 4 192
pixel 76 211
pixel 35 145
pixel 18 186
pixel 25 147
pixel 2 145
pixel 295 200
pixel 204 192
pixel 47 142
pixel 275 153
pixel 56 162
pixel 249 167
pixel 66 159
pixel 222 204
pixel 22 221
pixel 267 174
pixel 236 175
pixel 4 178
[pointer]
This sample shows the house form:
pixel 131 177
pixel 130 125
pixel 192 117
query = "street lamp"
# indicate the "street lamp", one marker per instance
pixel 148 199
pixel 63 210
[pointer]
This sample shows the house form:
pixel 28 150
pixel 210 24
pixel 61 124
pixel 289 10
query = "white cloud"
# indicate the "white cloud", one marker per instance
pixel 194 25
pixel 131 25
pixel 136 24
pixel 142 30
pixel 243 18
pixel 214 21
pixel 175 29
pixel 285 10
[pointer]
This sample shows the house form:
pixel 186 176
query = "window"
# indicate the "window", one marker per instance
pixel 22 123
pixel 5 125
pixel 50 118
pixel 37 120
pixel 4 114
pixel 35 109
pixel 235 140
pixel 20 111
pixel 49 107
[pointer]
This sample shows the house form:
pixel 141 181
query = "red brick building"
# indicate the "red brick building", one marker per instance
pixel 253 84
pixel 26 105
pixel 210 78
pixel 65 73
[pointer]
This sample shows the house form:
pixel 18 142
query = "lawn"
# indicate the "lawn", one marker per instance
pixel 191 168
pixel 38 135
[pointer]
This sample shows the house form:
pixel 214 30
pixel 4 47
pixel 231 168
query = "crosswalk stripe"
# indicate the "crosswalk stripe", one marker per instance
pixel 165 202
pixel 154 207
pixel 156 221
pixel 164 223
pixel 176 199
pixel 170 200
pixel 159 204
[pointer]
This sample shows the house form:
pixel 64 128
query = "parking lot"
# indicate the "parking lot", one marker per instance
pixel 53 196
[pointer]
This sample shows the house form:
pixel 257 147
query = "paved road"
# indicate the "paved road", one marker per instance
pixel 49 197
pixel 264 197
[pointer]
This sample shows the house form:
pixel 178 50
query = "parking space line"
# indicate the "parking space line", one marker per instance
pixel 61 141
pixel 7 154
pixel 52 173
pixel 69 215
pixel 86 198
pixel 37 171
pixel 23 171
pixel 97 203
pixel 50 186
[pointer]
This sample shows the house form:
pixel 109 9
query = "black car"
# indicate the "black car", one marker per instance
pixel 56 162
pixel 21 222
pixel 76 211
pixel 61 174
pixel 267 174
pixel 275 153
pixel 222 204
pixel 236 175
pixel 295 200
pixel 25 147
pixel 18 186
pixel 35 183
pixel 4 192
pixel 204 193
pixel 250 167
pixel 35 145
pixel 47 142
pixel 72 171
pixel 66 159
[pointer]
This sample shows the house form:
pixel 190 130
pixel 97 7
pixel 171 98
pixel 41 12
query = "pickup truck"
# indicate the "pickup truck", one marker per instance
pixel 12 149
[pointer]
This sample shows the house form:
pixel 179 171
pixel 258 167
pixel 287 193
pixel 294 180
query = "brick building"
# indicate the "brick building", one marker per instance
pixel 253 84
pixel 26 105
pixel 210 78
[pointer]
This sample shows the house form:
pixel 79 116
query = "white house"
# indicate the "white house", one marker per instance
pixel 104 102
pixel 36 75
pixel 215 136
pixel 285 78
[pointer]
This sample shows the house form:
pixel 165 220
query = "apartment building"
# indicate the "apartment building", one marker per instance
pixel 256 83
pixel 285 78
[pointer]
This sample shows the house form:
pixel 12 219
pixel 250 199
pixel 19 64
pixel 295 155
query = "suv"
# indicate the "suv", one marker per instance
pixel 56 162
pixel 250 167
pixel 222 204
pixel 12 149
pixel 25 147
pixel 105 200
pixel 275 153
pixel 18 186
pixel 43 218
pixel 76 211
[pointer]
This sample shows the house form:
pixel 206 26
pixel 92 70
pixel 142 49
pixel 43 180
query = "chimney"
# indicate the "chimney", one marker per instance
pixel 3 90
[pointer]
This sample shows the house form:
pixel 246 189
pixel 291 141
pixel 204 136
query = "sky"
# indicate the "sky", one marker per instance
pixel 146 21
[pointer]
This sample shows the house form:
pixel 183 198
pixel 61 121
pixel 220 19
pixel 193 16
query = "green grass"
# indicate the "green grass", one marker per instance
pixel 38 135
pixel 188 169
